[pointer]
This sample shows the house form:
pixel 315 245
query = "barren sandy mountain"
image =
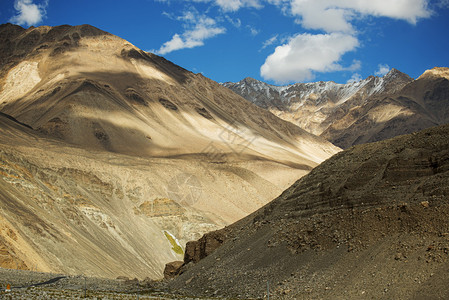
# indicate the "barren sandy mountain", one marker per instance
pixel 96 90
pixel 370 110
pixel 111 158
pixel 371 222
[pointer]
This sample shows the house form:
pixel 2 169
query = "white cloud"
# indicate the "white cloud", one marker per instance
pixel 226 5
pixel 305 54
pixel 198 29
pixel 278 2
pixel 235 5
pixel 356 77
pixel 383 69
pixel 252 30
pixel 29 13
pixel 336 15
pixel 316 16
pixel 270 41
pixel 356 65
pixel 236 23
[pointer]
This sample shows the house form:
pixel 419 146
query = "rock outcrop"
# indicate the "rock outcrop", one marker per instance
pixel 197 250
pixel 172 269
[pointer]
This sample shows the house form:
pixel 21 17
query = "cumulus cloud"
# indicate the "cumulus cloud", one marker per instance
pixel 315 16
pixel 305 54
pixel 198 28
pixel 332 15
pixel 383 69
pixel 28 13
pixel 356 77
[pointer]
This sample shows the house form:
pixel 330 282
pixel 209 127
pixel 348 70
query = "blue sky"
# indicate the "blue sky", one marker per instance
pixel 277 41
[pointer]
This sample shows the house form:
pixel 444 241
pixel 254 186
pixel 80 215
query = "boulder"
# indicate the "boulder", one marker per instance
pixel 172 269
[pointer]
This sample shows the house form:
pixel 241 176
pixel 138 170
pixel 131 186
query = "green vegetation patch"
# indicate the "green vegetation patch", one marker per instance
pixel 174 244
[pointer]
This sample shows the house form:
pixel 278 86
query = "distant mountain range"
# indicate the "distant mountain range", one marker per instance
pixel 372 109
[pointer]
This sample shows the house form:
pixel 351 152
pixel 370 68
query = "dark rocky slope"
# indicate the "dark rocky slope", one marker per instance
pixel 370 222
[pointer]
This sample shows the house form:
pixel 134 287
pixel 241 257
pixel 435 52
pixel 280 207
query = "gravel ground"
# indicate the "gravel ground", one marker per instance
pixel 33 285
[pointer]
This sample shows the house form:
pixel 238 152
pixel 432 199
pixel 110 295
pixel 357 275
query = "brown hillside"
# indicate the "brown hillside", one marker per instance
pixel 370 222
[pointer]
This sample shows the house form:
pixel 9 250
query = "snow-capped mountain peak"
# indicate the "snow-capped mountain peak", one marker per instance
pixel 309 104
